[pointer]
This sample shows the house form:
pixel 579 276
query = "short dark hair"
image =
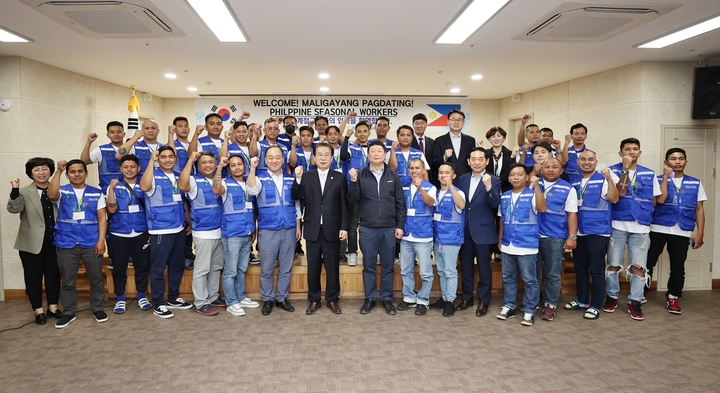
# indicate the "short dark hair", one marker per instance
pixel 114 123
pixel 376 143
pixel 546 129
pixel 75 162
pixel 363 123
pixel 382 118
pixel 480 149
pixel 544 145
pixel 531 125
pixel 494 131
pixel 306 128
pixel 576 126
pixel 458 111
pixel 164 148
pixel 405 127
pixel 673 150
pixel 318 118
pixel 332 151
pixel 450 164
pixel 211 115
pixel 238 124
pixel 626 141
pixel 130 157
pixel 180 118
pixel 39 161
pixel 419 116
pixel 330 128
pixel 207 153
pixel 282 153
pixel 517 165
pixel 290 117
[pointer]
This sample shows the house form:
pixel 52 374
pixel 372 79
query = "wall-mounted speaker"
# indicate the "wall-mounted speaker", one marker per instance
pixel 706 93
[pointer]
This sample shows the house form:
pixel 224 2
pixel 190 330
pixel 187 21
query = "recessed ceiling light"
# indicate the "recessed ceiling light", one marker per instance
pixel 454 90
pixel 469 20
pixel 170 75
pixel 684 34
pixel 476 77
pixel 324 89
pixel 323 75
pixel 192 88
pixel 7 35
pixel 217 17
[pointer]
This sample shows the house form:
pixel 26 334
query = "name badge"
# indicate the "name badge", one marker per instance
pixel 437 217
pixel 133 209
pixel 177 197
pixel 78 215
pixel 248 205
pixel 411 212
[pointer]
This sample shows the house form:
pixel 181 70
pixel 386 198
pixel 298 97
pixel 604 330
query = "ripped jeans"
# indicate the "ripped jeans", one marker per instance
pixel 637 245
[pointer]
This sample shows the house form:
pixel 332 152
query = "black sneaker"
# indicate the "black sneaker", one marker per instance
pixel 438 305
pixel 179 303
pixel 299 249
pixel 635 311
pixel 219 302
pixel 64 321
pixel 207 310
pixel 404 306
pixel 610 304
pixel 421 309
pixel 449 309
pixel 506 312
pixel 162 312
pixel 100 316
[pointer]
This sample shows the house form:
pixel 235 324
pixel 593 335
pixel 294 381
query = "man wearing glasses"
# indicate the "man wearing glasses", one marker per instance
pixel 454 147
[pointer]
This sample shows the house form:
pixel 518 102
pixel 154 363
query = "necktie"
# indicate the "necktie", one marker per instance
pixel 421 144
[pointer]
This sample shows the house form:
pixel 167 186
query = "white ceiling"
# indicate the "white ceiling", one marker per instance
pixel 367 46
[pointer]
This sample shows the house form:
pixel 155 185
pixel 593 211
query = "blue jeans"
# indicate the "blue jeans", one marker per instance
pixel 525 266
pixel 408 250
pixel 589 261
pixel 237 254
pixel 374 241
pixel 446 256
pixel 637 245
pixel 550 255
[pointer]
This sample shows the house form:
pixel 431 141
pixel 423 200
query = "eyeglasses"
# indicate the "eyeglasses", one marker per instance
pixel 456 120
pixel 272 129
pixel 41 170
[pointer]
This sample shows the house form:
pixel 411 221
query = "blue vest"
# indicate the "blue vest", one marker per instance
pixel 237 219
pixel 163 211
pixel 275 211
pixel 284 139
pixel 205 207
pixel 70 231
pixel 594 213
pixel 449 225
pixel 182 157
pixel 554 222
pixel 261 155
pixel 520 224
pixel 388 143
pixel 143 153
pixel 421 224
pixel 637 204
pixel 235 150
pixel 207 144
pixel 124 222
pixel 302 161
pixel 109 166
pixel 529 159
pixel 679 206
pixel 571 167
pixel 358 159
pixel 403 169
pixel 337 165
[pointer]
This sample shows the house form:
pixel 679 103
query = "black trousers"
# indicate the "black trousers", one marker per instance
pixel 469 252
pixel 317 253
pixel 37 266
pixel 122 249
pixel 677 247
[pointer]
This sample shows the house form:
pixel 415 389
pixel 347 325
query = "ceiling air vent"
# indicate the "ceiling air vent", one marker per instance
pixel 109 19
pixel 586 22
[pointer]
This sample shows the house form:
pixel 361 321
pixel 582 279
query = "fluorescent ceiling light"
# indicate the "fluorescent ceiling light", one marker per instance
pixel 454 90
pixel 476 77
pixel 170 75
pixel 474 15
pixel 217 17
pixel 192 88
pixel 323 75
pixel 324 89
pixel 683 34
pixel 7 35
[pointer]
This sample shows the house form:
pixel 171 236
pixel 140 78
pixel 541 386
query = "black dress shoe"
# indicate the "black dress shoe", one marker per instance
pixel 312 308
pixel 389 308
pixel 464 305
pixel 285 305
pixel 438 305
pixel 57 314
pixel 367 306
pixel 449 310
pixel 334 307
pixel 481 310
pixel 267 307
pixel 40 319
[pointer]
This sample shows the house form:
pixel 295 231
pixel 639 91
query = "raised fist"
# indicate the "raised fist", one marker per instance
pixel 448 153
pixel 114 183
pixel 15 183
pixel 245 115
pixel 479 143
pixel 394 145
pixel 487 180
pixel 535 180
pixel 525 118
pixel 194 157
pixel 171 130
pixel 92 137
pixel 349 132
pixel 568 137
pixel 353 174
pixel 351 115
pixel 667 171
pixel 229 135
pixel 556 144
pixel 294 140
pixel 626 161
pixel 298 172
pixel 253 162
pixel 155 155
pixel 199 129
pixel 606 172
pixel 224 162
pixel 61 165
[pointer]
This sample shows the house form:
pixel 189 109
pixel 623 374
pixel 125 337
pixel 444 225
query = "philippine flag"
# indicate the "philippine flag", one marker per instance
pixel 438 116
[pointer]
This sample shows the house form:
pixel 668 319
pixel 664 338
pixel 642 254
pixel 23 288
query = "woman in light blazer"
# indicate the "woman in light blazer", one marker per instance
pixel 35 237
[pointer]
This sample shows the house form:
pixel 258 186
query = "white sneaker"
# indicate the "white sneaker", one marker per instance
pixel 397 261
pixel 236 310
pixel 352 259
pixel 249 303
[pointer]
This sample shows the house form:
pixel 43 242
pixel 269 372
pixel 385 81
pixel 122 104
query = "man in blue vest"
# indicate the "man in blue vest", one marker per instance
pixel 104 155
pixel 129 237
pixel 79 235
pixel 205 217
pixel 532 133
pixel 519 235
pixel 596 193
pixel 278 227
pixel 483 198
pixel 631 218
pixel 165 213
pixel 237 143
pixel 181 130
pixel 574 145
pixel 354 155
pixel 417 238
pixel 558 231
pixel 678 209
pixel 213 141
pixel 142 144
pixel 402 153
pixel 272 130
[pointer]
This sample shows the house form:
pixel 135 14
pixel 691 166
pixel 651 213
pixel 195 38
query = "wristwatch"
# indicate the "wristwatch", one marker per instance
pixel 572 237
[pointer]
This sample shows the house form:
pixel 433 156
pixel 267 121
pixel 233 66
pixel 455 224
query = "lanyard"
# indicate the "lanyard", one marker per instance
pixel 633 187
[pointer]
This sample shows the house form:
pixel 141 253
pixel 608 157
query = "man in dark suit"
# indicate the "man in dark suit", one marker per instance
pixel 423 143
pixel 326 222
pixel 482 192
pixel 453 147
